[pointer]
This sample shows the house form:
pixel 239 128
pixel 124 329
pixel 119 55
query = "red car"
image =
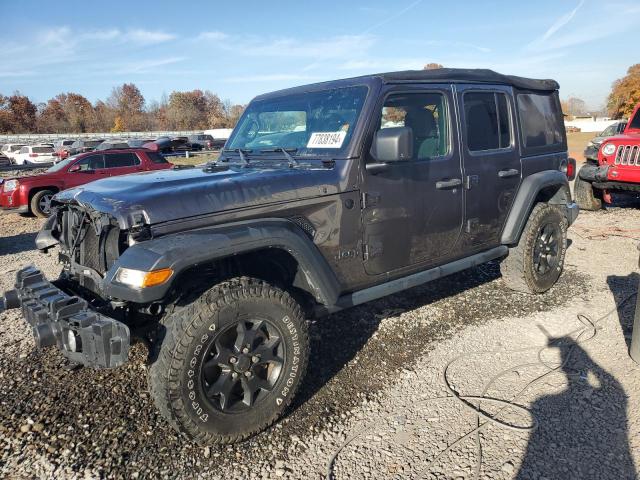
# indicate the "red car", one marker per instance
pixel 33 194
pixel 616 170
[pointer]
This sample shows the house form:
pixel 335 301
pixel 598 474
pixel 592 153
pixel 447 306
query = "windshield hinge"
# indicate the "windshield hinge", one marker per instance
pixel 369 199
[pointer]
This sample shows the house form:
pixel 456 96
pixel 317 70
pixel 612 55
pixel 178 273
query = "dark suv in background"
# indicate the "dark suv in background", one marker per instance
pixel 326 196
pixel 205 141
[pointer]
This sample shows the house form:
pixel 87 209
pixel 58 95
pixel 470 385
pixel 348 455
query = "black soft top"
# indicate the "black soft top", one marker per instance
pixel 469 75
pixel 440 75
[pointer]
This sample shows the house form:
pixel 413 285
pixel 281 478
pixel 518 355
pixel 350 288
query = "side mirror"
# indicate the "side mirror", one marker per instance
pixel 74 168
pixel 393 145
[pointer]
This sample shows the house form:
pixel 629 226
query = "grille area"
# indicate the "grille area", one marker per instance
pixel 628 155
pixel 90 250
pixel 97 251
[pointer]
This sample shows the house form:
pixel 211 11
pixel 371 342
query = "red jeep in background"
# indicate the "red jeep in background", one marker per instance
pixel 33 194
pixel 617 168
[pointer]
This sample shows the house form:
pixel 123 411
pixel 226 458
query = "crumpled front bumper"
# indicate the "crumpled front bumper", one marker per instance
pixel 83 335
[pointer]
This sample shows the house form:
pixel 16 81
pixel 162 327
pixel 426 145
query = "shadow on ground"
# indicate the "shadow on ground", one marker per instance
pixel 622 288
pixel 17 243
pixel 355 354
pixel 593 405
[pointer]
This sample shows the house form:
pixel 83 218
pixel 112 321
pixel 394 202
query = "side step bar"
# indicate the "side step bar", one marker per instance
pixel 413 280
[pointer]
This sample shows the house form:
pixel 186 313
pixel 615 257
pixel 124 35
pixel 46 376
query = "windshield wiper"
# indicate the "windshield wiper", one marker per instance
pixel 290 158
pixel 240 152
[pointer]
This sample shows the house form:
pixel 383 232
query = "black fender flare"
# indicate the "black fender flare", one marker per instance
pixel 557 192
pixel 180 251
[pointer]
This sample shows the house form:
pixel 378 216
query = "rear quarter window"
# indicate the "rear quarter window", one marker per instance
pixel 541 122
pixel 155 157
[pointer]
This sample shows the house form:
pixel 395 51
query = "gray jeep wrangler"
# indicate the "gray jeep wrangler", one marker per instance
pixel 325 196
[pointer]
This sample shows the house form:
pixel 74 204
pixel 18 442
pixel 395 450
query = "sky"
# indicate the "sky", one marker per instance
pixel 240 49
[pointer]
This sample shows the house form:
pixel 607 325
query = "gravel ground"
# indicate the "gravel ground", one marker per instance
pixel 374 377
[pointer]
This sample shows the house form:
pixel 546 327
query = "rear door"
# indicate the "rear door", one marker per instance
pixel 412 210
pixel 121 163
pixel 492 170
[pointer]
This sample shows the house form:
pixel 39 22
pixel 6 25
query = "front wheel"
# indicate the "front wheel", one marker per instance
pixel 41 203
pixel 536 262
pixel 230 362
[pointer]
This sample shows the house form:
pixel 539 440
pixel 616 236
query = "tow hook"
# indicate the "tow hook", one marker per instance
pixel 9 301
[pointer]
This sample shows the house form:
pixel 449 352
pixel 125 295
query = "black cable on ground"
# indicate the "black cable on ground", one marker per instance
pixel 588 330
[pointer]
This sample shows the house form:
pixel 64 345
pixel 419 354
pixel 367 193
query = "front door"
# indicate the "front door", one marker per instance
pixel 491 161
pixel 91 169
pixel 412 210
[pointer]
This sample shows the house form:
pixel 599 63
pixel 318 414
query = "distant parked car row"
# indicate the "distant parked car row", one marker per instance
pixel 22 154
pixel 32 194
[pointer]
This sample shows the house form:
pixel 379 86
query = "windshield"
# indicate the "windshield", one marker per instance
pixel 311 123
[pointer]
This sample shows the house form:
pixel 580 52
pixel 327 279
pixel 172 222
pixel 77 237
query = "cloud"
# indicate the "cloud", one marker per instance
pixel 145 66
pixel 214 35
pixel 392 17
pixel 566 33
pixel 276 77
pixel 147 37
pixel 341 46
pixel 561 22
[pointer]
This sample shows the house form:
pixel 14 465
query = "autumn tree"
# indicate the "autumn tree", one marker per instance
pixel 23 113
pixel 6 117
pixel 575 106
pixel 625 93
pixel 118 125
pixel 52 117
pixel 432 66
pixel 234 114
pixel 128 103
pixel 104 117
pixel 187 110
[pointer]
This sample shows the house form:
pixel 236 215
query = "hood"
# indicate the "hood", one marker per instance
pixel 627 137
pixel 165 195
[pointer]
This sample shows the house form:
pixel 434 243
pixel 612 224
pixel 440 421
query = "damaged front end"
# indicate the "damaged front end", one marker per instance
pixel 76 313
pixel 83 335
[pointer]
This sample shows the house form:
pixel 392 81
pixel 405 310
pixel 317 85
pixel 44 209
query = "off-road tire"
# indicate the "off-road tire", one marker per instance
pixel 518 269
pixel 586 197
pixel 175 378
pixel 35 206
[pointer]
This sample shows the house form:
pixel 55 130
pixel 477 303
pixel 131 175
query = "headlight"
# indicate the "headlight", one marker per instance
pixel 10 185
pixel 140 279
pixel 608 149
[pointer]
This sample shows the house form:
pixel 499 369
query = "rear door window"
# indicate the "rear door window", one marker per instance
pixel 119 160
pixel 488 121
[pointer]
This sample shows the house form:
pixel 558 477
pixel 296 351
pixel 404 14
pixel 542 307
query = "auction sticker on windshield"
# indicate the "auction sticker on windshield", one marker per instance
pixel 326 139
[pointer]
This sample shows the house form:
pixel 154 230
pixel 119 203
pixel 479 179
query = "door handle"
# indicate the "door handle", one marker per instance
pixel 444 184
pixel 512 172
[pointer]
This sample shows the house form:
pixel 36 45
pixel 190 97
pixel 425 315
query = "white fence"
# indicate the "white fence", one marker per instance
pixel 589 124
pixel 49 137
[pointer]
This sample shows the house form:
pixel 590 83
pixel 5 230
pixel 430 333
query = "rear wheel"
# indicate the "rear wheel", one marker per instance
pixel 586 197
pixel 536 262
pixel 230 362
pixel 41 203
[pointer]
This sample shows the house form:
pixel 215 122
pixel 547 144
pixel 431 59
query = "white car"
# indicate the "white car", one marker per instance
pixel 34 154
pixel 9 150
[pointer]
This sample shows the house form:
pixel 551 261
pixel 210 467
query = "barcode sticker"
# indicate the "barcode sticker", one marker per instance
pixel 326 139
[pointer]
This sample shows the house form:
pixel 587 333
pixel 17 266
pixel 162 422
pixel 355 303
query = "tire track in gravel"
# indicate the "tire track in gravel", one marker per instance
pixel 104 423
